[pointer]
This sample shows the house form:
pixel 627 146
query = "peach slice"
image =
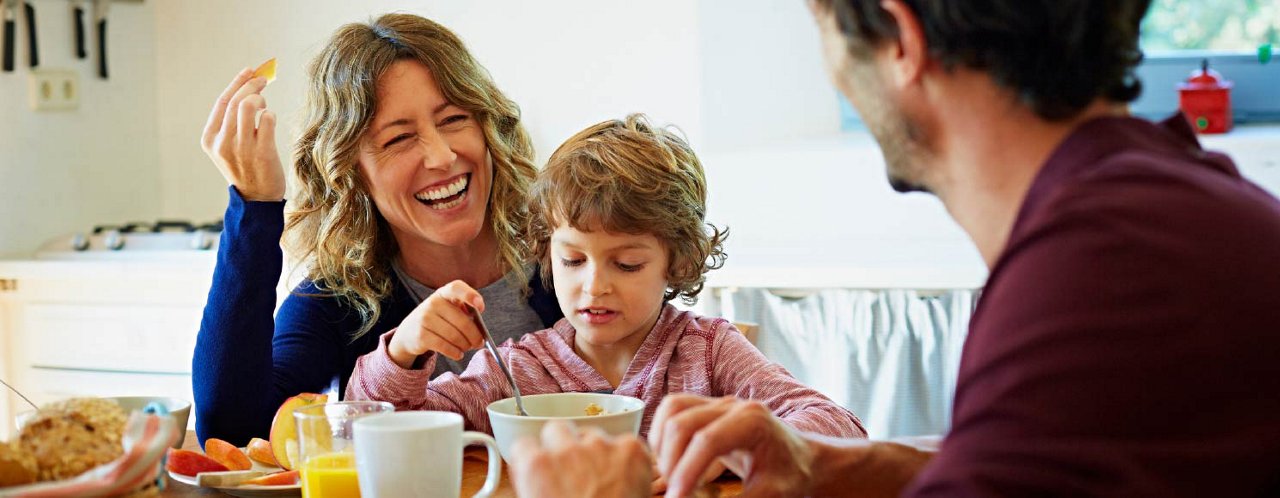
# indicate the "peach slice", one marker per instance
pixel 190 463
pixel 226 454
pixel 285 478
pixel 266 70
pixel 284 432
pixel 260 451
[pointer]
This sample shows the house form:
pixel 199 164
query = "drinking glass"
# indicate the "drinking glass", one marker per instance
pixel 326 446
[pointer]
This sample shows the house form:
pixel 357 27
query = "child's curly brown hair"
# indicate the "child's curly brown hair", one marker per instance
pixel 628 176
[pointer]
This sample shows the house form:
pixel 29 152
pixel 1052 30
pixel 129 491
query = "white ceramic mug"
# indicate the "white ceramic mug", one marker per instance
pixel 418 454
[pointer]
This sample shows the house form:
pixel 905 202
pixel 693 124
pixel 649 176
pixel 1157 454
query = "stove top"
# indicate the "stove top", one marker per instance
pixel 138 240
pixel 159 226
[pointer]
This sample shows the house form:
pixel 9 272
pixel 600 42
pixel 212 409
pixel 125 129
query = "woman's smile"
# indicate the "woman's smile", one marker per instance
pixel 446 195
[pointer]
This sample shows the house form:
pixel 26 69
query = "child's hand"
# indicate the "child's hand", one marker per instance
pixel 441 324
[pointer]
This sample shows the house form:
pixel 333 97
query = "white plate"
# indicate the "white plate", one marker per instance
pixel 248 491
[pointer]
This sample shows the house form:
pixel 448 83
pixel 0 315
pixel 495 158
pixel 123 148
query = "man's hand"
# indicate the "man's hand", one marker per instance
pixel 690 433
pixel 569 464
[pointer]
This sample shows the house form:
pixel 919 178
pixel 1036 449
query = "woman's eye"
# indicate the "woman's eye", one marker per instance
pixel 630 268
pixel 570 262
pixel 399 138
pixel 456 118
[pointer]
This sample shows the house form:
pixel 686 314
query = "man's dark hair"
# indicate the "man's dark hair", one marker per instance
pixel 1057 55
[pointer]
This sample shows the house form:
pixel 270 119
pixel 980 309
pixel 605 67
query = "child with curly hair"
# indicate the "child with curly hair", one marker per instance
pixel 619 229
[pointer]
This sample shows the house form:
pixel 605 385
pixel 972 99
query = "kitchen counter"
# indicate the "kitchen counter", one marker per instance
pixel 100 269
pixel 99 328
pixel 870 263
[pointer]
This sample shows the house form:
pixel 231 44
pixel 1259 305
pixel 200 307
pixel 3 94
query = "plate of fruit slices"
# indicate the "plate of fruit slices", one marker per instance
pixel 252 477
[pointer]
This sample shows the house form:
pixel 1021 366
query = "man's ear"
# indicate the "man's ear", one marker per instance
pixel 910 51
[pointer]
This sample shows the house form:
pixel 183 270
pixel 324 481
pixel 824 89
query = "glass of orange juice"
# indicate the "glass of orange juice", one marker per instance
pixel 326 446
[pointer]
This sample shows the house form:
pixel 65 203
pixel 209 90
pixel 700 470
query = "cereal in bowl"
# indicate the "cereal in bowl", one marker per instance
pixel 70 437
pixel 16 467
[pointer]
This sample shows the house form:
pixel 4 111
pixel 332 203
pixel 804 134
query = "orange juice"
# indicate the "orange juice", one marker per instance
pixel 330 475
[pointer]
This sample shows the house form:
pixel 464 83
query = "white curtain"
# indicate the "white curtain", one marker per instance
pixel 890 356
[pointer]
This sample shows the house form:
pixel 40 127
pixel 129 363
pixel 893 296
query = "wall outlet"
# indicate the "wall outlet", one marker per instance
pixel 54 89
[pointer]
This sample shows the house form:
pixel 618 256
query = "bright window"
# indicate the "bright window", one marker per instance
pixel 1223 25
pixel 1239 38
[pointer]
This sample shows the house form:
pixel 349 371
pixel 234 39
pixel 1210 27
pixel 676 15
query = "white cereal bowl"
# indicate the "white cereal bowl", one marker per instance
pixel 621 415
pixel 179 409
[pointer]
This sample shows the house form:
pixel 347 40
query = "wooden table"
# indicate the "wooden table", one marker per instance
pixel 474 465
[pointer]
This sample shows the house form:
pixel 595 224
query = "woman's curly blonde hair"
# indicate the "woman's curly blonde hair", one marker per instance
pixel 334 228
pixel 628 176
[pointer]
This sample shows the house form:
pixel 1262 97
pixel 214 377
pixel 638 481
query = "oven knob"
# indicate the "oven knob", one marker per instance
pixel 202 241
pixel 114 240
pixel 79 242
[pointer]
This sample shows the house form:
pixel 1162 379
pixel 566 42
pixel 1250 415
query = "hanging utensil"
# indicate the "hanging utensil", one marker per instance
pixel 502 364
pixel 15 391
pixel 77 9
pixel 100 8
pixel 33 54
pixel 10 14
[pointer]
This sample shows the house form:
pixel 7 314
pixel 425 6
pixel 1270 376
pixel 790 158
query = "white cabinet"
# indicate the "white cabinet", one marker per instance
pixel 76 328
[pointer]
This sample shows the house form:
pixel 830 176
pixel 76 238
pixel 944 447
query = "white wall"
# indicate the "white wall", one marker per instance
pixel 65 171
pixel 763 77
pixel 568 64
pixel 795 193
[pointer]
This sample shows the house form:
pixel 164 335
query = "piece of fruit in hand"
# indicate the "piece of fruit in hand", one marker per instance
pixel 266 70
pixel 190 463
pixel 285 478
pixel 226 454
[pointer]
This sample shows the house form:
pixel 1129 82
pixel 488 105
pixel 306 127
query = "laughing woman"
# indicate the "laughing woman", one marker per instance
pixel 412 178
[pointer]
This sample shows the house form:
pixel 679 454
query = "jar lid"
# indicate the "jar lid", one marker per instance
pixel 1205 79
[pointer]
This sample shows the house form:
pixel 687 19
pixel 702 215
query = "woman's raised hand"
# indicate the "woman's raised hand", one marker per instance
pixel 440 323
pixel 245 153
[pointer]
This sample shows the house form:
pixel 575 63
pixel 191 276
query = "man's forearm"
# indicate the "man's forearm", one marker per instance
pixel 864 468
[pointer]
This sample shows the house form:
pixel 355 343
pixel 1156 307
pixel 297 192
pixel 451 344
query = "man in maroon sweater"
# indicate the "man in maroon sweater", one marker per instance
pixel 1128 339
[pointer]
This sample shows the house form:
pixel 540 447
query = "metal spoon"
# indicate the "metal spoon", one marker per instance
pixel 502 364
pixel 24 398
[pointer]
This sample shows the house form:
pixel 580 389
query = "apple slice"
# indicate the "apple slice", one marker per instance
pixel 286 478
pixel 260 451
pixel 284 431
pixel 190 463
pixel 266 70
pixel 226 479
pixel 226 454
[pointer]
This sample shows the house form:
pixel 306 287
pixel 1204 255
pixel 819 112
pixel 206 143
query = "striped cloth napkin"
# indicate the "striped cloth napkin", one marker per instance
pixel 146 438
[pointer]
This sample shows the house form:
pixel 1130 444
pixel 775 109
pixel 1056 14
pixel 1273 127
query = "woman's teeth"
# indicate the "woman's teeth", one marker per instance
pixel 448 196
pixel 441 206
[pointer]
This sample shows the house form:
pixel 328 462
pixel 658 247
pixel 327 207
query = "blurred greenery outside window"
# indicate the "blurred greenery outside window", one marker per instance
pixel 1240 39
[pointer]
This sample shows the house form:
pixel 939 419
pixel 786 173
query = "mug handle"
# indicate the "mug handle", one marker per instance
pixel 495 461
